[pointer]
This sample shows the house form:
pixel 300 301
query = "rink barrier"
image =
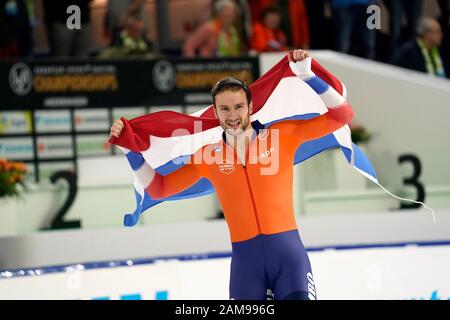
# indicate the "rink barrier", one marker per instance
pixel 8 274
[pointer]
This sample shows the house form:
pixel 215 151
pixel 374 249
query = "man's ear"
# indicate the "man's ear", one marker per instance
pixel 250 108
pixel 215 112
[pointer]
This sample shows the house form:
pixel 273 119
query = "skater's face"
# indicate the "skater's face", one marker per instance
pixel 233 111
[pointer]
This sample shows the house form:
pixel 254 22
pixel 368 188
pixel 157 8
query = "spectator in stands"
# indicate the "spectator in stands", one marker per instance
pixel 65 42
pixel 350 20
pixel 218 37
pixel 117 12
pixel 243 22
pixel 131 40
pixel 294 19
pixel 257 7
pixel 412 11
pixel 423 54
pixel 267 35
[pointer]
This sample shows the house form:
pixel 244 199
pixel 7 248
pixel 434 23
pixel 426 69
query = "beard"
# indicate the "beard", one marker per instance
pixel 243 125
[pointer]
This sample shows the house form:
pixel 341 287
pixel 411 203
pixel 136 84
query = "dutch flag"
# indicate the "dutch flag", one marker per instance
pixel 299 90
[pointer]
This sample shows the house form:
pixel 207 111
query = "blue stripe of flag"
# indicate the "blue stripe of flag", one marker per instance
pixel 317 84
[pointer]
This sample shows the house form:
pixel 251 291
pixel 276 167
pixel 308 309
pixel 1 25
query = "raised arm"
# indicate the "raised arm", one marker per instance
pixel 339 111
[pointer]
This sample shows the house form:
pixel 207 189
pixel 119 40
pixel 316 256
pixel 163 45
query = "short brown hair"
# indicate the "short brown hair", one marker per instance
pixel 230 84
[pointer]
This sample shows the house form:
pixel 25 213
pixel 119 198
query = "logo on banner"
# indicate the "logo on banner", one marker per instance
pixel 49 147
pixel 51 122
pixel 20 79
pixel 164 76
pixel 15 122
pixel 22 149
pixel 93 145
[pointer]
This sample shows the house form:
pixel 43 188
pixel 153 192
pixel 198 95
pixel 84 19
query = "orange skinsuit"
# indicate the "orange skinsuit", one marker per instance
pixel 254 203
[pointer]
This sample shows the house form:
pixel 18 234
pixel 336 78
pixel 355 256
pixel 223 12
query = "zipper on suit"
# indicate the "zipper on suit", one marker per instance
pixel 250 188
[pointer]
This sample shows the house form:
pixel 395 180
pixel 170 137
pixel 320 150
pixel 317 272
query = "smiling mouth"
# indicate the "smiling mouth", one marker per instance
pixel 233 124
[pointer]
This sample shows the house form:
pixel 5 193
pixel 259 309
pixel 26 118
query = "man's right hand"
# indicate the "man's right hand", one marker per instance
pixel 116 128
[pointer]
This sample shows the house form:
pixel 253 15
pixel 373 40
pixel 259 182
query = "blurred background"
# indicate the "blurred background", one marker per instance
pixel 70 68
